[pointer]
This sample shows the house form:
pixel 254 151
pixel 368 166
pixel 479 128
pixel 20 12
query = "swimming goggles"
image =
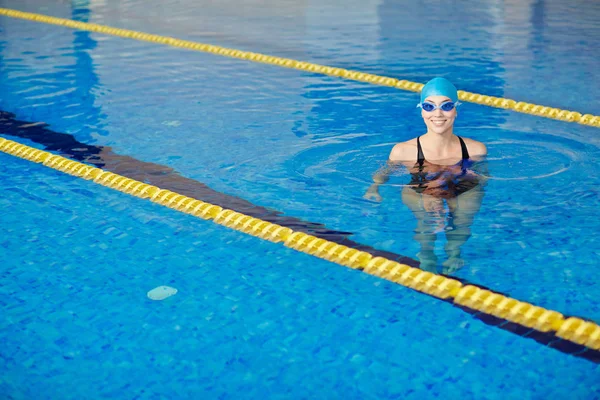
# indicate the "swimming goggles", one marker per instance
pixel 445 106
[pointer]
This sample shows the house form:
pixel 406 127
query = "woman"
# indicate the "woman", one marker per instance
pixel 440 165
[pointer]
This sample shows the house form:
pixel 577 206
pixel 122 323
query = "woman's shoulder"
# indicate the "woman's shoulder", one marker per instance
pixel 476 148
pixel 405 151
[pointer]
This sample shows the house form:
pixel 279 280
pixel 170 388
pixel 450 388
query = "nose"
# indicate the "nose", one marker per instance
pixel 438 112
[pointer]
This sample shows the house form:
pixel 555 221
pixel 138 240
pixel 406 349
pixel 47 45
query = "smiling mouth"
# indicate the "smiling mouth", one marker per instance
pixel 438 122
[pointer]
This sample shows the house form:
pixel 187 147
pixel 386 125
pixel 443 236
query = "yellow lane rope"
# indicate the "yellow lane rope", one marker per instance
pixel 576 330
pixel 497 102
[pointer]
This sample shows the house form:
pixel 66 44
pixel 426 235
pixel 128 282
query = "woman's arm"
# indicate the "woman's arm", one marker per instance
pixel 381 176
pixel 397 158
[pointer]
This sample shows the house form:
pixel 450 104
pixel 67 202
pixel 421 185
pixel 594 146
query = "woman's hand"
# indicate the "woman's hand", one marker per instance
pixel 373 193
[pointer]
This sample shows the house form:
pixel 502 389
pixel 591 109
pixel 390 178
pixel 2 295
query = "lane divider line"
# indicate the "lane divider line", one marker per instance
pixel 576 330
pixel 491 101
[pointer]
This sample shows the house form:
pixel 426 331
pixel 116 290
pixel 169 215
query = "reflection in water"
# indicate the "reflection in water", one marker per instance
pixel 86 78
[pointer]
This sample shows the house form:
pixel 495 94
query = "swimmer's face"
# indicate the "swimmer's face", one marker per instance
pixel 438 121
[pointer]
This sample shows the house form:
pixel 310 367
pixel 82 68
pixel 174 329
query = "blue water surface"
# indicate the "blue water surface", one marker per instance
pixel 253 318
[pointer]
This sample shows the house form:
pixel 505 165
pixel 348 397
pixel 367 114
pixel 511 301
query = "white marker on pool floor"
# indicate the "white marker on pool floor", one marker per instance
pixel 161 293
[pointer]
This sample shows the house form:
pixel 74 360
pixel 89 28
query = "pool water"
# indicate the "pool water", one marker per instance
pixel 252 318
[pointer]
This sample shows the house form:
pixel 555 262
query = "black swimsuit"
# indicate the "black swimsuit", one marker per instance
pixel 453 183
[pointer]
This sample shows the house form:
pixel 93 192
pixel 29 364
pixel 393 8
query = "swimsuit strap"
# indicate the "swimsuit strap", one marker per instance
pixel 420 156
pixel 463 146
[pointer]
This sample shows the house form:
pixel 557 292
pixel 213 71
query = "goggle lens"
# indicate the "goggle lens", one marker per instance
pixel 449 106
pixel 428 107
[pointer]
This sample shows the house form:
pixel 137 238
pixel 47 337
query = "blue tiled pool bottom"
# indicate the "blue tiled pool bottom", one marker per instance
pixel 244 324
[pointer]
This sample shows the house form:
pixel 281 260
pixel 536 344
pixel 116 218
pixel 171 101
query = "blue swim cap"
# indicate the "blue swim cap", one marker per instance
pixel 439 87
